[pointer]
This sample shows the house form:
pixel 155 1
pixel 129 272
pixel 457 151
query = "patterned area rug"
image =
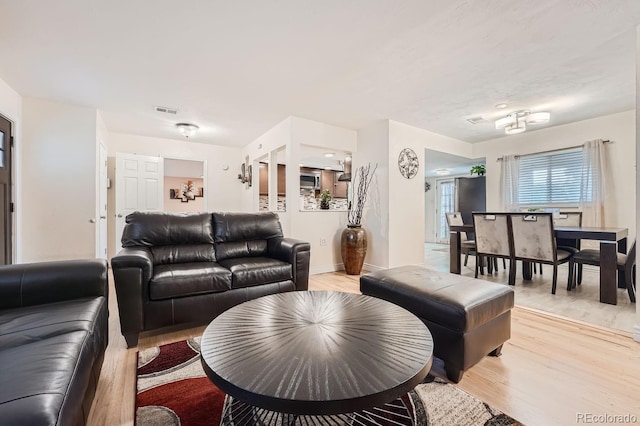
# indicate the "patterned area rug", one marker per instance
pixel 172 389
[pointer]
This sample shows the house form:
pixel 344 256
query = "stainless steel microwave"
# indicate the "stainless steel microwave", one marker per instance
pixel 309 180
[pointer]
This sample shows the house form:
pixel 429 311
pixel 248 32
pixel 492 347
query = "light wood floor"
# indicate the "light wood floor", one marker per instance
pixel 550 370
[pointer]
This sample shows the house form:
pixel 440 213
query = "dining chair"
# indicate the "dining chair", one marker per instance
pixel 534 241
pixel 493 240
pixel 624 262
pixel 568 219
pixel 467 246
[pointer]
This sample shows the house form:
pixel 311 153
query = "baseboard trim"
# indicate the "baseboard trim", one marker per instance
pixel 372 268
pixel 340 267
pixel 326 268
pixel 636 333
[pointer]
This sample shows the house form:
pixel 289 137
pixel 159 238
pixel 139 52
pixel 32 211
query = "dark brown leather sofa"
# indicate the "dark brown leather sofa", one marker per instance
pixel 189 268
pixel 53 336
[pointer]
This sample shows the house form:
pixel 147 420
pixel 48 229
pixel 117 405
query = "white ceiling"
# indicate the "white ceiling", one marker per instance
pixel 434 160
pixel 238 68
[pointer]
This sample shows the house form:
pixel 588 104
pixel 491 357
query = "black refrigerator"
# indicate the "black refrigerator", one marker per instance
pixel 470 196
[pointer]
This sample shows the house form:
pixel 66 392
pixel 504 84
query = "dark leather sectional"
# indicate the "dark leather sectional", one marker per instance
pixel 189 268
pixel 53 336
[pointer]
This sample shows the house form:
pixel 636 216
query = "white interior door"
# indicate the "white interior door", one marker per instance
pixel 139 186
pixel 101 240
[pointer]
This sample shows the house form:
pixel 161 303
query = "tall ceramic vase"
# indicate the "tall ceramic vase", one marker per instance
pixel 354 248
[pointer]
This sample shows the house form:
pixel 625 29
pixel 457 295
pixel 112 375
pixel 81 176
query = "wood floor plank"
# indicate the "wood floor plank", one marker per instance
pixel 550 370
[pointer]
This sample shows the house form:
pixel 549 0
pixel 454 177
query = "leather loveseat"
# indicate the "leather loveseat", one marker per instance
pixel 189 268
pixel 53 336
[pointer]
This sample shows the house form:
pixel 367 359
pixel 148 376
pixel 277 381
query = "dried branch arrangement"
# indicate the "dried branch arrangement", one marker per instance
pixel 361 182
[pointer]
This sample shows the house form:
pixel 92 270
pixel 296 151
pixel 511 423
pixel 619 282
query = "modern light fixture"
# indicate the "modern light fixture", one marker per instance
pixel 516 122
pixel 501 106
pixel 442 172
pixel 187 129
pixel 329 154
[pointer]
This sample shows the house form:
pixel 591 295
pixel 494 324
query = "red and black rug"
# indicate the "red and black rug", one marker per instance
pixel 172 389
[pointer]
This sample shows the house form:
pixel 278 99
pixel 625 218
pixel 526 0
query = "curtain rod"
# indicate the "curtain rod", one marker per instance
pixel 551 150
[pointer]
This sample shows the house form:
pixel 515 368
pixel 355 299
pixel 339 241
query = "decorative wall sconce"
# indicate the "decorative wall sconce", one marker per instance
pixel 246 174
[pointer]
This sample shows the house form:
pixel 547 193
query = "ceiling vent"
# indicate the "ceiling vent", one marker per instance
pixel 477 120
pixel 166 110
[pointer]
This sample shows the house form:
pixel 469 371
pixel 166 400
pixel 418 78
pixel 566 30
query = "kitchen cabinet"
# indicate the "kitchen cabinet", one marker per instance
pixel 264 179
pixel 340 187
pixel 329 180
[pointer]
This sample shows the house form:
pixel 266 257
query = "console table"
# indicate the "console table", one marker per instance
pixel 305 354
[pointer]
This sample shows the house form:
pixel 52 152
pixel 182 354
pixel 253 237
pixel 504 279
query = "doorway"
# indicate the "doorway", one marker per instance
pixel 6 204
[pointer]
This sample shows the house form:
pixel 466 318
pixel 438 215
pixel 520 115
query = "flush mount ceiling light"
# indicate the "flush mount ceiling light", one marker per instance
pixel 517 121
pixel 329 154
pixel 442 171
pixel 187 129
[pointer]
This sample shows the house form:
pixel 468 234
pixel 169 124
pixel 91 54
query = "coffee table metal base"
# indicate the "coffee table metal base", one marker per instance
pixel 397 412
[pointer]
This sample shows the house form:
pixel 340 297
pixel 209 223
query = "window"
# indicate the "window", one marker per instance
pixel 550 179
pixel 446 201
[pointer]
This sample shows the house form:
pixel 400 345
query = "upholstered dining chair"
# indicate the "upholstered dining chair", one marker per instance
pixel 568 219
pixel 534 241
pixel 493 240
pixel 625 262
pixel 467 246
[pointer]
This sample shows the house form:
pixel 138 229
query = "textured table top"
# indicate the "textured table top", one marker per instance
pixel 316 352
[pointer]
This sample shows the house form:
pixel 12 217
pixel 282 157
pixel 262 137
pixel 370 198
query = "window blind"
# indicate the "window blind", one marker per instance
pixel 550 179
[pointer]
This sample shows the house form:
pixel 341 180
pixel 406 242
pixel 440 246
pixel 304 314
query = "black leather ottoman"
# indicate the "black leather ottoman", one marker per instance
pixel 468 318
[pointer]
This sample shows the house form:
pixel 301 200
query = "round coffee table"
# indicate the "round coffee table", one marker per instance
pixel 315 354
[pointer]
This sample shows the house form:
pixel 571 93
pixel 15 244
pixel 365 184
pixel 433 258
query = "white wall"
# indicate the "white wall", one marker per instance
pixel 619 128
pixel 636 328
pixel 373 147
pixel 314 226
pixel 310 226
pixel 11 108
pixel 406 196
pixel 224 192
pixel 58 181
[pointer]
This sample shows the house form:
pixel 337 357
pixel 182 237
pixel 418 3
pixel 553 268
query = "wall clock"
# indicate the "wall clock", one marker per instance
pixel 408 163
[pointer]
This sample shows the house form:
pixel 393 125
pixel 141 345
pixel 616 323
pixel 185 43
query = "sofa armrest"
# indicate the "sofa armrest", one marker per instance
pixel 134 257
pixel 132 271
pixel 47 282
pixel 297 253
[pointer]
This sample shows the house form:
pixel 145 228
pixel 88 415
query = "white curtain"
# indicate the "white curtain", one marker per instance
pixel 509 182
pixel 593 185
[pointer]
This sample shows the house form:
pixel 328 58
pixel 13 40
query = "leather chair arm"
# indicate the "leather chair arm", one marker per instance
pixel 132 271
pixel 297 253
pixel 134 257
pixel 48 282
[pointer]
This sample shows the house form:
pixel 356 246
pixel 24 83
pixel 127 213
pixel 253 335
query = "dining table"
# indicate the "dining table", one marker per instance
pixel 612 241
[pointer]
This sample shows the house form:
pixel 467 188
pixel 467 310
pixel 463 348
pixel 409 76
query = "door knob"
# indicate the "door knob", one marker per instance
pixel 119 215
pixel 103 217
pixel 92 220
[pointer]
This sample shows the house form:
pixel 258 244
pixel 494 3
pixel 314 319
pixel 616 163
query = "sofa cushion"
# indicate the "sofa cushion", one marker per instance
pixel 166 229
pixel 241 249
pixel 188 279
pixel 251 271
pixel 48 379
pixel 184 253
pixel 34 323
pixel 246 226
